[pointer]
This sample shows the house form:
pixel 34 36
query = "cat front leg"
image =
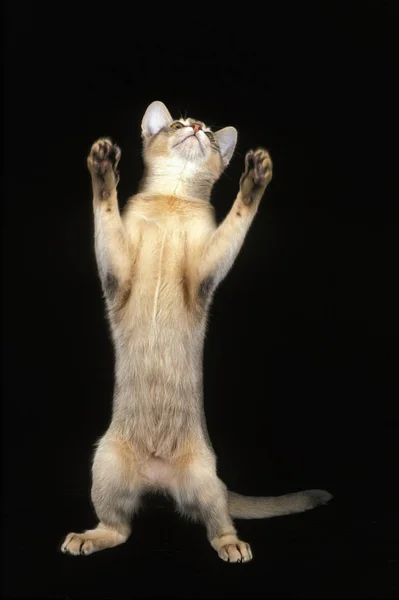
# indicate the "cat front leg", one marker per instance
pixel 226 241
pixel 113 252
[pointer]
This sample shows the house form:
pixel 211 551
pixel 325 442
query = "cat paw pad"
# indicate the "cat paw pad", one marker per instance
pixel 104 156
pixel 258 172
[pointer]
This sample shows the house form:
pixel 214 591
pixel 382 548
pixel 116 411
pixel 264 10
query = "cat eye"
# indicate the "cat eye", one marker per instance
pixel 177 125
pixel 209 134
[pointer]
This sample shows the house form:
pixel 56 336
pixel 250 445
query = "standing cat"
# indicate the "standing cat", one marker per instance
pixel 159 265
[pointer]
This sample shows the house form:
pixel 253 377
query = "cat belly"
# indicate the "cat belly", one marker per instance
pixel 157 472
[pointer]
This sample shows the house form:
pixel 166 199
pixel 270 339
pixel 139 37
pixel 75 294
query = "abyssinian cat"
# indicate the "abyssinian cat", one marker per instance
pixel 159 265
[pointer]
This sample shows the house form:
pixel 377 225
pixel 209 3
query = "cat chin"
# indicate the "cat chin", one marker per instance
pixel 192 149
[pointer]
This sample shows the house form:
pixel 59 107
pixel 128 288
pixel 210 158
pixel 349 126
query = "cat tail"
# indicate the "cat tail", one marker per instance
pixel 258 507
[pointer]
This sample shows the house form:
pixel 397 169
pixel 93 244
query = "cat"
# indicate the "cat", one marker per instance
pixel 160 263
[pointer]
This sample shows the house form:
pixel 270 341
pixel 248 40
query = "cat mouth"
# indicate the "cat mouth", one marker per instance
pixel 192 135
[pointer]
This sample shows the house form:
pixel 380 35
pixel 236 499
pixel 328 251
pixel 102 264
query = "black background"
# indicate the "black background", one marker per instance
pixel 301 372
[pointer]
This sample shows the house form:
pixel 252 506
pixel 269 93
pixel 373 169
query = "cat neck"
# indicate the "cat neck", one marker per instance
pixel 184 181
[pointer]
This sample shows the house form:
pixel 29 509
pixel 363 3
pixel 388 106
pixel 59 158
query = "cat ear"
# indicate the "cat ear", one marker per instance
pixel 227 140
pixel 155 117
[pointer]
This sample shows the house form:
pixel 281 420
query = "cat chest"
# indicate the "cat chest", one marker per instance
pixel 166 264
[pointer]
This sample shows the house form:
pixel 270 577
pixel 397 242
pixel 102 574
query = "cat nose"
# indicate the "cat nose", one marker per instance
pixel 196 127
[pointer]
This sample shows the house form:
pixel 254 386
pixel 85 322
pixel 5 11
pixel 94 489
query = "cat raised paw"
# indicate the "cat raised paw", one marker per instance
pixel 104 156
pixel 257 174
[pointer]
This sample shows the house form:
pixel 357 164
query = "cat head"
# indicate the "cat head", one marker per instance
pixel 185 141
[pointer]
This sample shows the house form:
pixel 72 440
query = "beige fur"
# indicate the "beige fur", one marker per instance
pixel 159 264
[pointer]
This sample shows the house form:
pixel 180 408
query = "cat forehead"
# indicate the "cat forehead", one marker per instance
pixel 191 121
